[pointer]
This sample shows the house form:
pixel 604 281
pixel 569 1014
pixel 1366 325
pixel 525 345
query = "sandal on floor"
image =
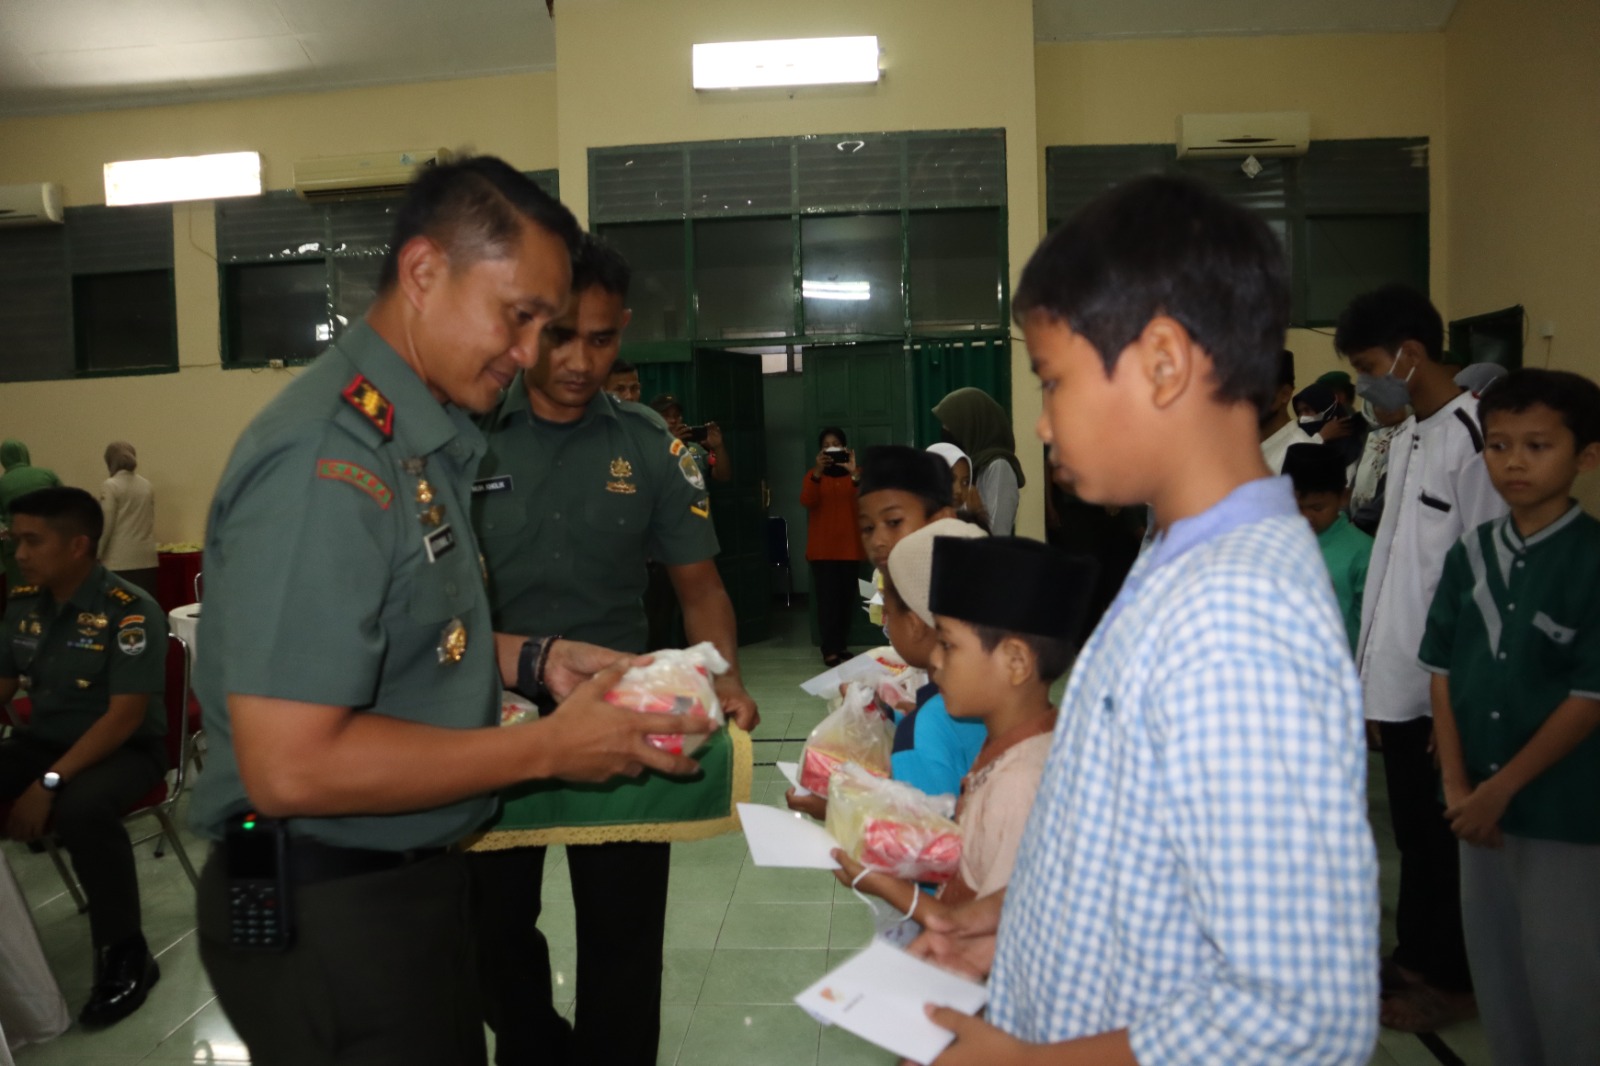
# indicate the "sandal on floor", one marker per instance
pixel 1425 1009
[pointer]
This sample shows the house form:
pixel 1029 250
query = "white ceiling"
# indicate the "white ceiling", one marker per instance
pixel 1076 20
pixel 83 55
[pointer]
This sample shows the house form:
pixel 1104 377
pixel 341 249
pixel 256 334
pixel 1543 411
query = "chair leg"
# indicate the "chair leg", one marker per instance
pixel 66 874
pixel 170 832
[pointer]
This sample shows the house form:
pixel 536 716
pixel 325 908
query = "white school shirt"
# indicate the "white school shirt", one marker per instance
pixel 1276 447
pixel 1438 489
pixel 129 541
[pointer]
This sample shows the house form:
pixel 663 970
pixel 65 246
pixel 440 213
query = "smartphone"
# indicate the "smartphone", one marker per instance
pixel 699 434
pixel 837 456
pixel 259 899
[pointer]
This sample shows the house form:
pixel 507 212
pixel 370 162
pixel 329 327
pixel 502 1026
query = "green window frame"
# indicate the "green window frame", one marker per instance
pixel 1353 214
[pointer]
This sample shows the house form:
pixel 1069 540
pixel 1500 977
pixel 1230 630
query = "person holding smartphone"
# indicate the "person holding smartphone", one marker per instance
pixel 833 547
pixel 705 442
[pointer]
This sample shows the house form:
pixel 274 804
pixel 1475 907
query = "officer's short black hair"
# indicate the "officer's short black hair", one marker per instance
pixel 1574 397
pixel 1388 317
pixel 474 207
pixel 621 366
pixel 70 512
pixel 1168 246
pixel 597 265
pixel 833 431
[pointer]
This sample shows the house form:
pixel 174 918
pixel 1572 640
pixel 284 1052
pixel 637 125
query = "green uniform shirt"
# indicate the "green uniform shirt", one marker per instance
pixel 109 638
pixel 568 513
pixel 1515 625
pixel 1347 550
pixel 341 569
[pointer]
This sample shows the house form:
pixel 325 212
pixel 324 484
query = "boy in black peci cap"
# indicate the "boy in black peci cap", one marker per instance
pixel 1005 610
pixel 901 490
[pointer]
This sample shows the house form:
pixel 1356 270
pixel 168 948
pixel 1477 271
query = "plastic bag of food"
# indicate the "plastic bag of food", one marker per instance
pixel 515 709
pixel 890 826
pixel 675 682
pixel 854 732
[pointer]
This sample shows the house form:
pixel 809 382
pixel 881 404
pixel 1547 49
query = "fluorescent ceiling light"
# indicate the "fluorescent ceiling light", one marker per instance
pixel 190 177
pixel 771 64
pixel 836 290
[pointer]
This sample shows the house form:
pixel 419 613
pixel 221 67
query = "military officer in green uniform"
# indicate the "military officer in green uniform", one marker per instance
pixel 90 649
pixel 348 670
pixel 576 491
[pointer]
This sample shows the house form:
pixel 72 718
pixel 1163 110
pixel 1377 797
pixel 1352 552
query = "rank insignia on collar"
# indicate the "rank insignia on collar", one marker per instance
pixel 121 595
pixel 621 468
pixel 452 641
pixel 414 466
pixel 84 682
pixel 364 396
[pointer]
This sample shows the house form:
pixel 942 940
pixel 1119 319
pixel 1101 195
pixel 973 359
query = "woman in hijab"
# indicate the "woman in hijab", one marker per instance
pixel 980 427
pixel 20 478
pixel 128 545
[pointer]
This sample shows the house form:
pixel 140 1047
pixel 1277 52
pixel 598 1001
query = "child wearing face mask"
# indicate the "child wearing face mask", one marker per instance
pixel 1437 489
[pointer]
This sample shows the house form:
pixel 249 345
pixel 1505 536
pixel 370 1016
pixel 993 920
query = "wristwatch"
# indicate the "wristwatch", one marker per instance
pixel 51 781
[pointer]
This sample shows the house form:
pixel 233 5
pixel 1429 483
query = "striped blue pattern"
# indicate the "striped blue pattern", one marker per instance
pixel 1198 868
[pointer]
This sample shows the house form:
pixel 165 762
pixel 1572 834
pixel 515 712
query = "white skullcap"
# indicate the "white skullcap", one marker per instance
pixel 911 561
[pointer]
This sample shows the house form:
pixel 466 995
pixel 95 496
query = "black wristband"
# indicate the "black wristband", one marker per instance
pixel 528 666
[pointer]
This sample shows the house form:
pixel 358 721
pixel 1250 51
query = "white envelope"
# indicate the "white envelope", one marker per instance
pixel 786 838
pixel 866 588
pixel 879 995
pixel 826 684
pixel 791 771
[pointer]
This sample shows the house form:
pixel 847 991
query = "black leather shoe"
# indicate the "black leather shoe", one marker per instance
pixel 124 977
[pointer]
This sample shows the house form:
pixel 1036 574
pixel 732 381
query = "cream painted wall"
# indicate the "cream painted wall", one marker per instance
pixel 1368 85
pixel 1523 111
pixel 184 424
pixel 623 77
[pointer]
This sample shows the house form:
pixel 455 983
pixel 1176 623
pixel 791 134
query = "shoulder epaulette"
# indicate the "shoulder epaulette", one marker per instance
pixel 121 595
pixel 373 405
pixel 1472 429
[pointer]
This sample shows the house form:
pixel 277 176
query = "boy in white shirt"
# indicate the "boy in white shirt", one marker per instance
pixel 1438 489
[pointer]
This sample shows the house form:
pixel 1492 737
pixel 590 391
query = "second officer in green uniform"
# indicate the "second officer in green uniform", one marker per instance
pixel 576 492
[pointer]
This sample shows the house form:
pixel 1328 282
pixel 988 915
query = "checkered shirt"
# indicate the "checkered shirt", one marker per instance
pixel 1198 868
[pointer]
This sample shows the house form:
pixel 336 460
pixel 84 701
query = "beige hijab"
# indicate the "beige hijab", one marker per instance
pixel 120 456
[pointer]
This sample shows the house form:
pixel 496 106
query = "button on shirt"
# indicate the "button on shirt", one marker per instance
pixel 1438 488
pixel 1198 866
pixel 568 514
pixel 1515 625
pixel 320 586
pixel 109 638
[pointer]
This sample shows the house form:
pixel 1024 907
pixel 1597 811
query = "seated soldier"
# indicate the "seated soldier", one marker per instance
pixel 90 649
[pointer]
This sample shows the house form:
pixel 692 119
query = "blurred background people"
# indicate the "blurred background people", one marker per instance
pixel 128 546
pixel 833 545
pixel 20 478
pixel 980 427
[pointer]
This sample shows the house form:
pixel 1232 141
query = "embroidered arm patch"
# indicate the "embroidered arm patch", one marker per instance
pixel 360 477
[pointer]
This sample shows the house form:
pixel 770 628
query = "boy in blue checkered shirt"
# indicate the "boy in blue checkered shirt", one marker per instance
pixel 1197 881
pixel 1513 643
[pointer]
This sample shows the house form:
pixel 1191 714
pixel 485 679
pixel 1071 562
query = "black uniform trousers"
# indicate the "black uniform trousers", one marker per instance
pixel 1428 916
pixel 619 892
pixel 87 816
pixel 382 971
pixel 833 583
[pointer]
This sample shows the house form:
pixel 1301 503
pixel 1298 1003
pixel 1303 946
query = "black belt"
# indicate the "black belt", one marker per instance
pixel 312 862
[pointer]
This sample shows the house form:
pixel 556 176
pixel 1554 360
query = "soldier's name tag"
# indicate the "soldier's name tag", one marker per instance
pixel 498 483
pixel 439 542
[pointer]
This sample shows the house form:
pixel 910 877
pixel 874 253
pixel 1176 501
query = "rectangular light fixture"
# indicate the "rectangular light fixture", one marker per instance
pixel 836 290
pixel 778 64
pixel 189 177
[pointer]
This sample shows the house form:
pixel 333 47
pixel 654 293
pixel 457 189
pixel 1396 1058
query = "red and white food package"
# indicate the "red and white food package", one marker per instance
pixel 893 681
pixel 890 826
pixel 675 682
pixel 515 709
pixel 853 733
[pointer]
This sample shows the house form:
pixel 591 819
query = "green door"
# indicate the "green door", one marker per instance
pixel 863 389
pixel 727 391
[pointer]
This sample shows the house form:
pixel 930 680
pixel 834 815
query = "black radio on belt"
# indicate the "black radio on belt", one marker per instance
pixel 259 897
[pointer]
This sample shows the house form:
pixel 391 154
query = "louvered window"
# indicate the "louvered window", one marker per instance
pixel 91 296
pixel 296 275
pixel 1352 214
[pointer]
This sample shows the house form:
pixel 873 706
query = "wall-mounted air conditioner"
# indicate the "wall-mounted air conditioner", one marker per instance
pixel 355 177
pixel 1265 133
pixel 34 204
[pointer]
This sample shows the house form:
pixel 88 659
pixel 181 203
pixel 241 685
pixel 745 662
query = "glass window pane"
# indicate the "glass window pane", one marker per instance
pixel 125 321
pixel 277 311
pixel 1346 256
pixel 851 274
pixel 744 277
pixel 357 282
pixel 658 294
pixel 955 267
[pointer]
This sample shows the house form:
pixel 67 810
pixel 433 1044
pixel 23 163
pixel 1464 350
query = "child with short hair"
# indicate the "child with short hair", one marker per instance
pixel 1197 881
pixel 995 657
pixel 1318 476
pixel 931 751
pixel 901 490
pixel 1513 644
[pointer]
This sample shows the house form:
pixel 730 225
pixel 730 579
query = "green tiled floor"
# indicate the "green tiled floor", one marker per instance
pixel 740 941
